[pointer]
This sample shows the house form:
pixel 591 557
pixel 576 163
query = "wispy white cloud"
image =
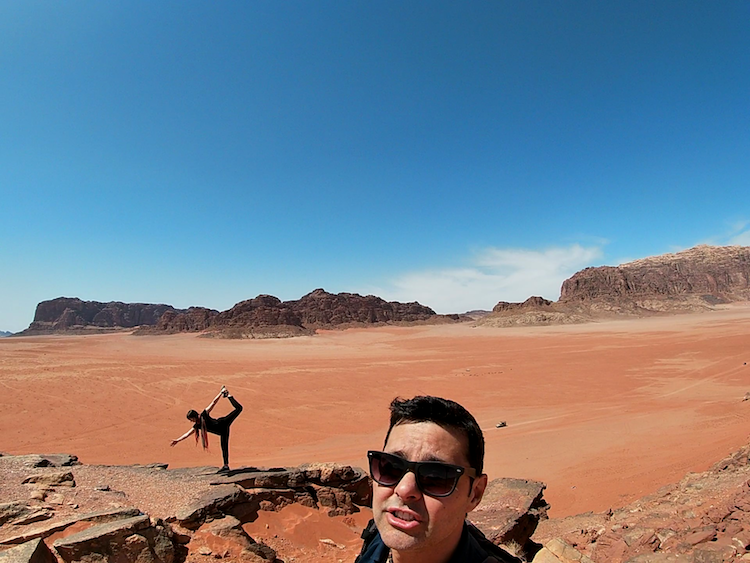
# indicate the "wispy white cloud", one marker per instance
pixel 737 233
pixel 494 274
pixel 740 233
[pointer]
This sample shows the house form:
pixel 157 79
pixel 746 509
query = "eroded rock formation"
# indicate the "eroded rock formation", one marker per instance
pixel 320 309
pixel 70 314
pixel 699 277
pixel 262 317
pixel 267 316
pixel 692 280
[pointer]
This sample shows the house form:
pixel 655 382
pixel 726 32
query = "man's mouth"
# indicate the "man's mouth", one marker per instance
pixel 402 519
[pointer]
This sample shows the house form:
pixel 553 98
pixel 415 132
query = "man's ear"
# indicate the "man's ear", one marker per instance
pixel 477 491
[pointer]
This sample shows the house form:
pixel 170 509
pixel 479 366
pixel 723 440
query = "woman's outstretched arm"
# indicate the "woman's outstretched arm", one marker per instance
pixel 181 438
pixel 212 404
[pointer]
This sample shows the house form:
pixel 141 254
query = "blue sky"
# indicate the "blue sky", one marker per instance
pixel 457 154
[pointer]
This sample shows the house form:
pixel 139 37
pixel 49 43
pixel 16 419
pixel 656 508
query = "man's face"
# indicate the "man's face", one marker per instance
pixel 423 527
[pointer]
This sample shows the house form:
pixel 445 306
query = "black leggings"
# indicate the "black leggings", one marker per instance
pixel 223 425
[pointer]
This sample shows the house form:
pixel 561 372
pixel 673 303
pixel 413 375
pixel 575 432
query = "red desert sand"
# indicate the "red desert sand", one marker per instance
pixel 603 413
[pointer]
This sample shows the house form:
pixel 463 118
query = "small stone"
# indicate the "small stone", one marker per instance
pixel 203 550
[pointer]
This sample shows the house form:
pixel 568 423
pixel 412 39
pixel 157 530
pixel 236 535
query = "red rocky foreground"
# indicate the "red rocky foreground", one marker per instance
pixel 55 509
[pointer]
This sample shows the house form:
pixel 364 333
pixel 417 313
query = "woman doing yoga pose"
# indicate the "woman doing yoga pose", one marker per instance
pixel 203 423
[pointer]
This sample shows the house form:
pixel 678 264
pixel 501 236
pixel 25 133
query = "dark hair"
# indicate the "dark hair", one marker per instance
pixel 445 413
pixel 192 414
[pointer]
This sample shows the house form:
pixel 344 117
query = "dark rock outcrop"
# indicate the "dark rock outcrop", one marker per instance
pixel 66 314
pixel 533 303
pixel 267 316
pixel 320 309
pixel 195 319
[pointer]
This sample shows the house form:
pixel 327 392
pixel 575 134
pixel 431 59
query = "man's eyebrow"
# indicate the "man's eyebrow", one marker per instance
pixel 432 457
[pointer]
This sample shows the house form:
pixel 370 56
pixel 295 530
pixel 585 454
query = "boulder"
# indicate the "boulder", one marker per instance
pixel 131 539
pixel 510 511
pixel 33 551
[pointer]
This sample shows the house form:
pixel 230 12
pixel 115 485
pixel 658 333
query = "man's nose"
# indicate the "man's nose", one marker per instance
pixel 407 487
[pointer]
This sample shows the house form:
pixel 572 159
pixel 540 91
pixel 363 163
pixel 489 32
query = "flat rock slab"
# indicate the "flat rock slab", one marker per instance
pixel 54 479
pixel 216 501
pixel 34 551
pixel 53 527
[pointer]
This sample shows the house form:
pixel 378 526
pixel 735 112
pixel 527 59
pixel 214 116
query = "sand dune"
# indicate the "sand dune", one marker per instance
pixel 603 413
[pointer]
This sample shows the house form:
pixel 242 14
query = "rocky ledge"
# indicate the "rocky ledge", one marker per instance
pixel 55 509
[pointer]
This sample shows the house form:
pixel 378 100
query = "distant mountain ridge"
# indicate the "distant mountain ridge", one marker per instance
pixel 4 333
pixel 261 317
pixel 699 278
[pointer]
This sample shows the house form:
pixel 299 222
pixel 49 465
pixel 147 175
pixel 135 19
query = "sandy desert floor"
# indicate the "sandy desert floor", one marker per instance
pixel 602 413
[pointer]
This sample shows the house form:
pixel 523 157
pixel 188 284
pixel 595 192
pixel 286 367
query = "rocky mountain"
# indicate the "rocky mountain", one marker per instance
pixel 268 316
pixel 695 279
pixel 262 317
pixel 320 309
pixel 699 277
pixel 4 333
pixel 70 314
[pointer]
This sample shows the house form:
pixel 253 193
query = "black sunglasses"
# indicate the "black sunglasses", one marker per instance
pixel 434 478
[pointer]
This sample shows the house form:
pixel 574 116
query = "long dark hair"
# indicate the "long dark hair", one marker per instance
pixel 200 432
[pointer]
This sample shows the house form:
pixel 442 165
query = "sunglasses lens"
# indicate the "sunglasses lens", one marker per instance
pixel 386 469
pixel 437 479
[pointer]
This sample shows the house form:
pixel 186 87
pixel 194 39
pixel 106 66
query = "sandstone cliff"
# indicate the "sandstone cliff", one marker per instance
pixel 695 279
pixel 66 314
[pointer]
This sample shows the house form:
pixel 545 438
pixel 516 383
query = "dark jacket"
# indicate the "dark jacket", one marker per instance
pixel 473 547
